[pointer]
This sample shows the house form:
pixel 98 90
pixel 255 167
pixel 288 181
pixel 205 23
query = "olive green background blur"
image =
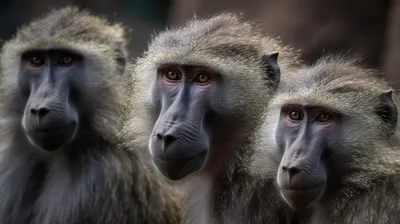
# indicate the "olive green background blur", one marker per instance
pixel 370 28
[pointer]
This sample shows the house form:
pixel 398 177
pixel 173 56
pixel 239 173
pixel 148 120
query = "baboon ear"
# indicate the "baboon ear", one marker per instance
pixel 121 56
pixel 387 110
pixel 270 61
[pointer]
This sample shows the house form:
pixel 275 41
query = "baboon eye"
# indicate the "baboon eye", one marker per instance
pixel 323 118
pixel 36 60
pixel 295 115
pixel 66 60
pixel 172 76
pixel 202 78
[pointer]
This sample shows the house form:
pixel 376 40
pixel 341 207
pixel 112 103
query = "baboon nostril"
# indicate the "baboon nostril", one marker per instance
pixel 168 139
pixel 159 136
pixel 291 170
pixel 41 112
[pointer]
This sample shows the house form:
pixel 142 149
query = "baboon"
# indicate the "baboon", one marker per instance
pixel 203 89
pixel 334 127
pixel 62 159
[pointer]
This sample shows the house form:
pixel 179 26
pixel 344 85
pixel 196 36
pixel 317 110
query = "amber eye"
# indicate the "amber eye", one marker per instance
pixel 36 60
pixel 66 60
pixel 323 118
pixel 202 78
pixel 172 75
pixel 295 115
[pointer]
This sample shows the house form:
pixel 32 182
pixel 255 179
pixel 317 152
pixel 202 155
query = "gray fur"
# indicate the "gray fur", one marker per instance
pixel 366 163
pixel 95 178
pixel 234 49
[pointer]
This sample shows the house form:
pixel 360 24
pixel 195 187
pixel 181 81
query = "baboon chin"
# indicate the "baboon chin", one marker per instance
pixel 303 196
pixel 51 140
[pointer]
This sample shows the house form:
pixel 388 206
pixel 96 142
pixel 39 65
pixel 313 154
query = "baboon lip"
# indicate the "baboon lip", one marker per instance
pixel 303 188
pixel 51 130
pixel 171 159
pixel 302 197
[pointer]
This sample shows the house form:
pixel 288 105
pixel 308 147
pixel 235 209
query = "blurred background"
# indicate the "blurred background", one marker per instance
pixel 370 28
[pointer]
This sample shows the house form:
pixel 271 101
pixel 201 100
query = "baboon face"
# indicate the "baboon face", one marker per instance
pixel 59 78
pixel 325 128
pixel 303 134
pixel 198 111
pixel 186 115
pixel 50 82
pixel 210 82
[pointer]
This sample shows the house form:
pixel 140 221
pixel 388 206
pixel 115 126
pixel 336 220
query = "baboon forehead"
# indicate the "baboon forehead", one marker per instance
pixel 340 81
pixel 221 25
pixel 222 41
pixel 342 76
pixel 224 30
pixel 346 102
pixel 229 56
pixel 195 42
pixel 71 24
pixel 350 87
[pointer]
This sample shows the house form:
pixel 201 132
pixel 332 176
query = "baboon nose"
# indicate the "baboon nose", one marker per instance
pixel 291 170
pixel 41 112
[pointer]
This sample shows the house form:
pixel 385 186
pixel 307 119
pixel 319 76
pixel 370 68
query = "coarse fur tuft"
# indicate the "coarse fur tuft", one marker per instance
pixel 95 178
pixel 233 49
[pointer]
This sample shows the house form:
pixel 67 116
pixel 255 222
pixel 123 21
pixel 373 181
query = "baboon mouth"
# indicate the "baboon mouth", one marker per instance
pixel 304 196
pixel 304 187
pixel 175 159
pixel 178 168
pixel 47 130
pixel 52 139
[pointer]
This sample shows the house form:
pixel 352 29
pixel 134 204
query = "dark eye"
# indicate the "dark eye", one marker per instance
pixel 295 115
pixel 36 60
pixel 172 76
pixel 202 78
pixel 323 118
pixel 66 60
